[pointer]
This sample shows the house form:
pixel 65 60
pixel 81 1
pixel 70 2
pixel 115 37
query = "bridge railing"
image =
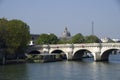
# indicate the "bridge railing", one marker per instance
pixel 57 45
pixel 72 45
pixel 87 45
pixel 110 44
pixel 76 45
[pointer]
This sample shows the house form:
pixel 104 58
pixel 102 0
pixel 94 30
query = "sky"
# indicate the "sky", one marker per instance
pixel 52 16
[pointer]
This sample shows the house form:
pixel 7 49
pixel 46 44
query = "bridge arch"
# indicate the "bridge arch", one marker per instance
pixel 79 54
pixel 105 54
pixel 63 55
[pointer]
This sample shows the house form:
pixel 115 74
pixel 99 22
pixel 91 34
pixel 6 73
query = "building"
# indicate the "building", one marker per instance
pixel 106 39
pixel 66 34
pixel 34 37
pixel 116 40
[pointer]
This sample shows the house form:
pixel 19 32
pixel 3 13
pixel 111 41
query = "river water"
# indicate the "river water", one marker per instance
pixel 63 70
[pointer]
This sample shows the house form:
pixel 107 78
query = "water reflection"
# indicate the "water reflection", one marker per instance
pixel 86 69
pixel 13 72
pixel 114 58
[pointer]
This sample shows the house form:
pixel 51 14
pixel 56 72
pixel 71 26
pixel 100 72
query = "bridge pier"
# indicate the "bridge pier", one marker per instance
pixel 97 56
pixel 69 56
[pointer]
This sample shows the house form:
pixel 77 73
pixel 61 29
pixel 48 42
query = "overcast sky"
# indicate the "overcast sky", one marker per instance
pixel 51 16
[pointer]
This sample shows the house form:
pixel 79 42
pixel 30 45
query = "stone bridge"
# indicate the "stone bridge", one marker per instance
pixel 100 51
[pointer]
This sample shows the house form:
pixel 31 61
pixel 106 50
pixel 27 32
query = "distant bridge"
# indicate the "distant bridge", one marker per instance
pixel 100 51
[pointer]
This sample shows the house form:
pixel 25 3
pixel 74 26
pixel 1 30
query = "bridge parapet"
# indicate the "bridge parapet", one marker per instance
pixel 60 45
pixel 87 45
pixel 110 44
pixel 72 45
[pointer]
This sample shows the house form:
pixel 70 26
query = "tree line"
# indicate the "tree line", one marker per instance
pixel 77 38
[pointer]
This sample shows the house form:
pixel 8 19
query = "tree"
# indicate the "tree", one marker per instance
pixel 14 36
pixel 3 33
pixel 64 41
pixel 18 36
pixel 43 39
pixel 92 39
pixel 53 39
pixel 47 39
pixel 78 38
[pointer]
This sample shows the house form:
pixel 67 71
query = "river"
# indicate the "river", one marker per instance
pixel 63 70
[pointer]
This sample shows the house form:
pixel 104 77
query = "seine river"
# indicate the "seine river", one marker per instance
pixel 63 70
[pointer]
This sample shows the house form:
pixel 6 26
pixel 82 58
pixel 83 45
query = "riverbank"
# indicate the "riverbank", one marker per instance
pixel 14 61
pixel 35 58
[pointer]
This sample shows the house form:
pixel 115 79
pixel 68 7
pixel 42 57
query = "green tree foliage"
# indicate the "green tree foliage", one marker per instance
pixel 78 38
pixel 92 39
pixel 18 36
pixel 47 39
pixel 53 39
pixel 43 39
pixel 64 41
pixel 14 35
pixel 3 32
